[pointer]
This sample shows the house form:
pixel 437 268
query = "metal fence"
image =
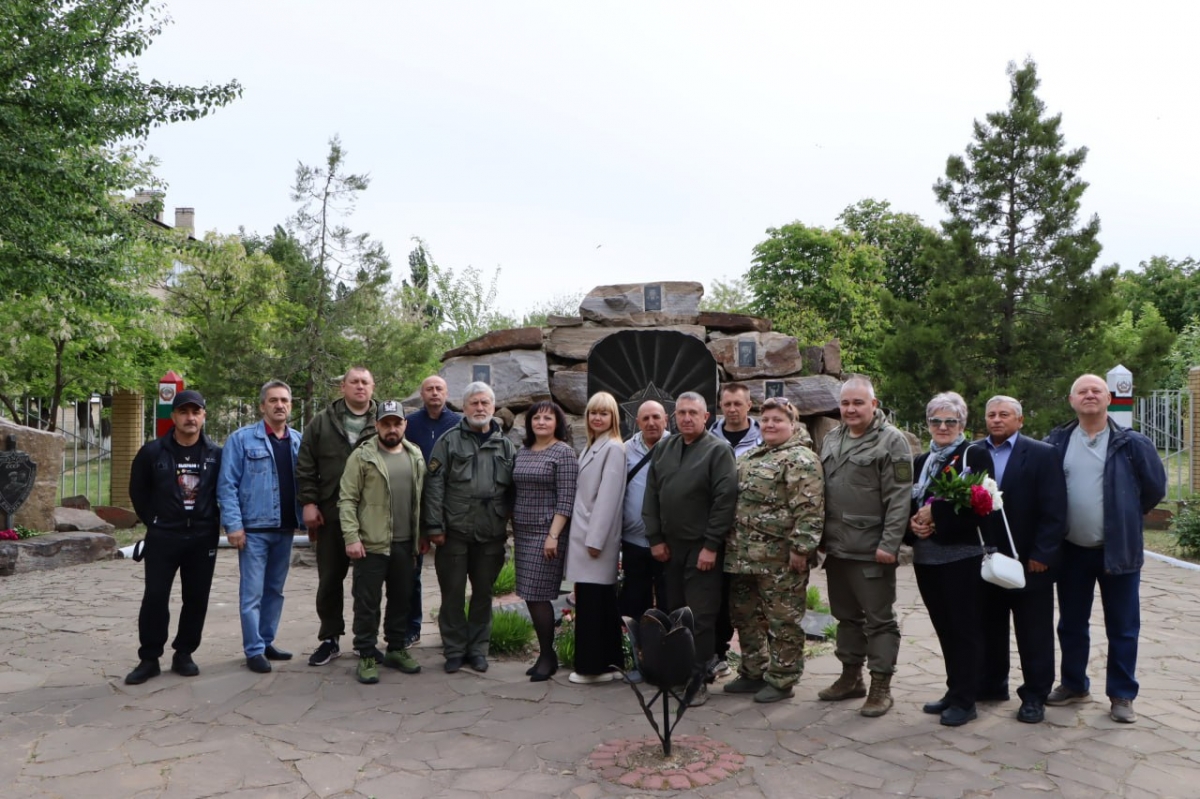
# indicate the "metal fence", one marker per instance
pixel 86 468
pixel 1165 417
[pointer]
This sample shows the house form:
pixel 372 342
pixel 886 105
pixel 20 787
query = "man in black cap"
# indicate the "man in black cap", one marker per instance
pixel 173 486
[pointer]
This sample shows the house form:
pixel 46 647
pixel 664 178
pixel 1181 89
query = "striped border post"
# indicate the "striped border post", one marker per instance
pixel 1120 386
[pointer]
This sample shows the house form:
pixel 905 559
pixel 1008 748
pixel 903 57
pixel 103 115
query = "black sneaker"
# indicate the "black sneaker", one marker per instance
pixel 183 665
pixel 145 670
pixel 326 652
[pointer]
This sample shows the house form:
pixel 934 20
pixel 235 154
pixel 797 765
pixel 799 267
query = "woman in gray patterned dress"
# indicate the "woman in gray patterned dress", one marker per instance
pixel 544 475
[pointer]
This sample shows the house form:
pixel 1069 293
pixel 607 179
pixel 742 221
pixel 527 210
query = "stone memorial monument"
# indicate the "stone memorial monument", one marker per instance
pixel 29 475
pixel 644 341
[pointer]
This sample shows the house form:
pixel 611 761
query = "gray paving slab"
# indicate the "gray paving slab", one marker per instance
pixel 72 728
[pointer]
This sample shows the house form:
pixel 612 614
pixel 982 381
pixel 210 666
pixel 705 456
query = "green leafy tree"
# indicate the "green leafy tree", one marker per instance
pixel 1172 286
pixel 73 111
pixel 558 305
pixel 817 284
pixel 903 241
pixel 1014 304
pixel 467 304
pixel 728 296
pixel 1184 354
pixel 1141 342
pixel 226 301
pixel 337 280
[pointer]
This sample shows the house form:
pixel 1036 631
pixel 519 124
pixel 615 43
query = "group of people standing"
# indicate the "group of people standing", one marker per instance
pixel 728 521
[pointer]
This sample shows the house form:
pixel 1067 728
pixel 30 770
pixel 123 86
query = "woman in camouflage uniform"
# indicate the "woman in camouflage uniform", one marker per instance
pixel 780 515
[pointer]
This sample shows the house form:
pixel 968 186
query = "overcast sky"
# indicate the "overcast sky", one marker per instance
pixel 575 144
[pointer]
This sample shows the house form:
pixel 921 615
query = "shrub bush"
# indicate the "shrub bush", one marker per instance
pixel 564 639
pixel 506 580
pixel 1186 528
pixel 813 600
pixel 511 632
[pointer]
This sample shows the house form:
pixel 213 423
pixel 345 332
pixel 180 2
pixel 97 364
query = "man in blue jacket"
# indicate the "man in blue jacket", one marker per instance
pixel 1114 477
pixel 173 487
pixel 260 511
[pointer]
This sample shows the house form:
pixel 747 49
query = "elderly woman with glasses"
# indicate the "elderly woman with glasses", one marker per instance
pixel 773 543
pixel 947 557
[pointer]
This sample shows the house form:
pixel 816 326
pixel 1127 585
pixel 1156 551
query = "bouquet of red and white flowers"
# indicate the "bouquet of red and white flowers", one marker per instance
pixel 967 491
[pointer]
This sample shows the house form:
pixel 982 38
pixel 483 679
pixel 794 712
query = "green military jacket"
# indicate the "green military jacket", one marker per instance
pixel 324 449
pixel 780 507
pixel 868 485
pixel 365 503
pixel 469 488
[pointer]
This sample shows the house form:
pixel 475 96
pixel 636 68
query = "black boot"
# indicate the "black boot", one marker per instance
pixel 145 670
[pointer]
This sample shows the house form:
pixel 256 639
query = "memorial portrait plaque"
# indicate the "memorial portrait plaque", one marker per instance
pixel 772 388
pixel 482 373
pixel 17 475
pixel 652 298
pixel 747 353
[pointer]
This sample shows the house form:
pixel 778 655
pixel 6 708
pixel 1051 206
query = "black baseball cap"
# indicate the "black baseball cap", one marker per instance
pixel 188 398
pixel 390 408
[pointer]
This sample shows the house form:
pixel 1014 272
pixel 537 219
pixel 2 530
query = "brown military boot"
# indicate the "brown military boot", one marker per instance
pixel 879 700
pixel 848 686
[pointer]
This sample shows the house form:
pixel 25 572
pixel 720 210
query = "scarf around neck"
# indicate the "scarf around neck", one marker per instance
pixel 938 456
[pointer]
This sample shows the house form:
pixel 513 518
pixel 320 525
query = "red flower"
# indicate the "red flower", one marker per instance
pixel 9 535
pixel 981 500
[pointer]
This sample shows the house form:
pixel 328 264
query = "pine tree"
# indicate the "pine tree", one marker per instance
pixel 1016 306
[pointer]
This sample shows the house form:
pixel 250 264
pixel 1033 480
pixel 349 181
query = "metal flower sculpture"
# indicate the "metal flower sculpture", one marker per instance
pixel 664 650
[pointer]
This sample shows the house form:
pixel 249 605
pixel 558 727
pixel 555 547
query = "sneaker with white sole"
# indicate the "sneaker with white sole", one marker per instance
pixel 592 679
pixel 721 668
pixel 1062 695
pixel 326 652
pixel 1122 710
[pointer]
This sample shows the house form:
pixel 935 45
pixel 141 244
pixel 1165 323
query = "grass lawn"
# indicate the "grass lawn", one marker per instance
pixel 92 480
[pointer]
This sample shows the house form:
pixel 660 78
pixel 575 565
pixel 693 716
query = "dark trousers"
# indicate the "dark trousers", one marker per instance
pixel 1078 575
pixel 194 558
pixel 371 574
pixel 467 632
pixel 862 597
pixel 645 584
pixel 416 614
pixel 953 595
pixel 724 630
pixel 1032 611
pixel 597 629
pixel 701 591
pixel 332 567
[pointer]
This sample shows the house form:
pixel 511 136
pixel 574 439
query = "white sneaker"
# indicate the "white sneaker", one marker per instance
pixel 592 679
pixel 721 669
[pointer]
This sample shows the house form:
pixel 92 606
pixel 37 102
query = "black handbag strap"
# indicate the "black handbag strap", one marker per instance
pixel 633 472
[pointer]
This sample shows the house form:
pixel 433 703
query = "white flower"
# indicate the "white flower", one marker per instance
pixel 993 488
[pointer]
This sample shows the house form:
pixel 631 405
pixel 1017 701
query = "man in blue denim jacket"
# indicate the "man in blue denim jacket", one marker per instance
pixel 260 512
pixel 1114 477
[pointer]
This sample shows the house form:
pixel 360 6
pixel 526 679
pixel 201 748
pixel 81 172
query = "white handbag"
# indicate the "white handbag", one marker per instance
pixel 998 568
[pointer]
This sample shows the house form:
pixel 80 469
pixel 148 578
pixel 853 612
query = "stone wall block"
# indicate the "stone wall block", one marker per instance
pixel 733 322
pixel 833 357
pixel 46 450
pixel 775 355
pixel 812 395
pixel 678 303
pixel 818 428
pixel 517 338
pixel 569 389
pixel 574 343
pixel 519 377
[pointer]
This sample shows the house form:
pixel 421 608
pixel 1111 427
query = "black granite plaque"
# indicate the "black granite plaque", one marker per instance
pixel 652 298
pixel 639 365
pixel 17 475
pixel 772 388
pixel 747 353
pixel 482 373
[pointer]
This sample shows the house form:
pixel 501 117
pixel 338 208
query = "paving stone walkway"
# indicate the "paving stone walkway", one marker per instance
pixel 69 727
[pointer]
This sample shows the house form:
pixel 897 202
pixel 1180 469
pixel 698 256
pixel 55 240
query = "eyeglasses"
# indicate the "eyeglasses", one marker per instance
pixel 778 401
pixel 935 422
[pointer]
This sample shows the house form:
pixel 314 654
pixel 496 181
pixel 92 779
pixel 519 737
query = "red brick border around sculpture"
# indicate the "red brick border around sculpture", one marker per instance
pixel 614 760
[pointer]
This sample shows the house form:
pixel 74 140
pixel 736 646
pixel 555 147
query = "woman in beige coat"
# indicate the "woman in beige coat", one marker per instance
pixel 595 544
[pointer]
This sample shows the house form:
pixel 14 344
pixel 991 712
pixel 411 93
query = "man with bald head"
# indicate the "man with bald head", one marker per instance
pixel 644 586
pixel 425 427
pixel 1114 477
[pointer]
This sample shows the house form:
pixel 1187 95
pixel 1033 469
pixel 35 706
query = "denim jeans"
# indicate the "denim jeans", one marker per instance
pixel 1081 569
pixel 263 563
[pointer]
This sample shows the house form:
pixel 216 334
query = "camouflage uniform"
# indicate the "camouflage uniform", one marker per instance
pixel 780 509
